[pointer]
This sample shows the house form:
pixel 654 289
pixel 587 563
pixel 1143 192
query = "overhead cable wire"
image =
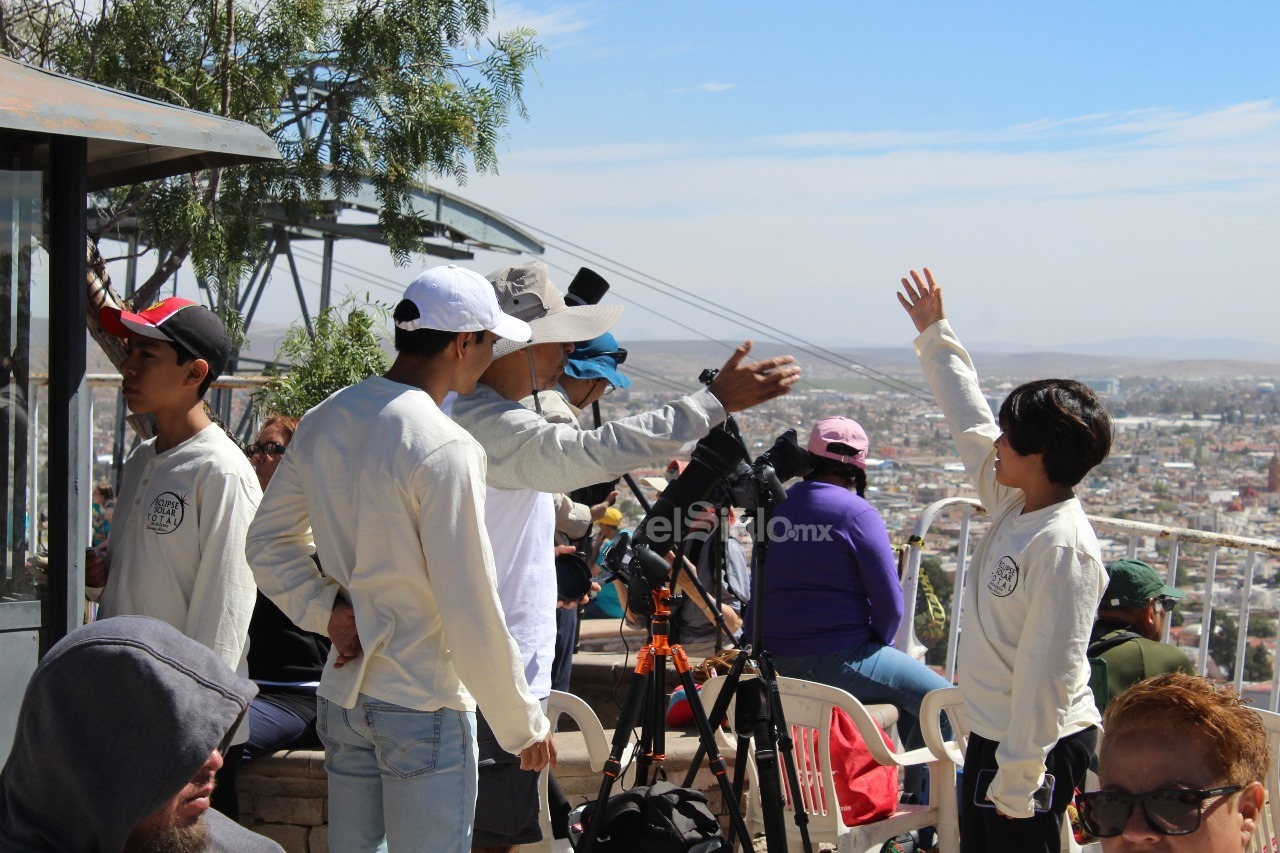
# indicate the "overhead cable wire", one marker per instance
pixel 723 312
pixel 760 327
pixel 666 318
pixel 631 273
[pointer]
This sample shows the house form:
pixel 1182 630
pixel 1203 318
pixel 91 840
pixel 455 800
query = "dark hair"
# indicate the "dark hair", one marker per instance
pixel 104 488
pixel 424 343
pixel 1062 419
pixel 825 466
pixel 185 355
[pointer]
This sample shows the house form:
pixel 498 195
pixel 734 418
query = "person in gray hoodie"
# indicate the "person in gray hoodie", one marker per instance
pixel 117 745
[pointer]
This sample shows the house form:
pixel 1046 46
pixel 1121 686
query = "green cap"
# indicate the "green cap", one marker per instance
pixel 1134 583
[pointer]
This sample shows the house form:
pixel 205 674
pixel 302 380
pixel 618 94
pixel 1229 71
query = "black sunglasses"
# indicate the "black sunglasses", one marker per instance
pixel 271 448
pixel 619 355
pixel 1167 603
pixel 1168 812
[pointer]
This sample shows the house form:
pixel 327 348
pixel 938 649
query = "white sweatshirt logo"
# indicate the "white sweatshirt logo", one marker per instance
pixel 1004 580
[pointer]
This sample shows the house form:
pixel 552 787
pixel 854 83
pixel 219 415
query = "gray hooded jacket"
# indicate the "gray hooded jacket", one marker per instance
pixel 118 718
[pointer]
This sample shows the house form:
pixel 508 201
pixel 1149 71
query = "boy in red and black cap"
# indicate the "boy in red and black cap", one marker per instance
pixel 187 496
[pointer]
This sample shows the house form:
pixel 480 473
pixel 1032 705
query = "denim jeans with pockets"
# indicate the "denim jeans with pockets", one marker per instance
pixel 399 779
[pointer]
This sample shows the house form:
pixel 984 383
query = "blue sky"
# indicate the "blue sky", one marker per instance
pixel 1072 172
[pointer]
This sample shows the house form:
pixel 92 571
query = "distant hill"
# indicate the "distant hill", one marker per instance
pixel 685 359
pixel 1139 357
pixel 1152 347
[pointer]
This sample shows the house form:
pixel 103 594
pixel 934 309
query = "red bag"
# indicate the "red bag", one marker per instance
pixel 865 790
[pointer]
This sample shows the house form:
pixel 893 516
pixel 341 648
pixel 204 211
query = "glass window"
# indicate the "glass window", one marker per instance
pixel 24 312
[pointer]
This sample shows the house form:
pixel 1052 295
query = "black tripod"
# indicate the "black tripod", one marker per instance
pixel 647 692
pixel 759 714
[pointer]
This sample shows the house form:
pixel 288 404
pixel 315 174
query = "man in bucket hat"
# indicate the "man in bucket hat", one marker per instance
pixel 531 459
pixel 392 492
pixel 187 495
pixel 1130 627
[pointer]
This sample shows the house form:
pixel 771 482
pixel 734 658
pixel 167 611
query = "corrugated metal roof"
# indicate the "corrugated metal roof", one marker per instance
pixel 131 138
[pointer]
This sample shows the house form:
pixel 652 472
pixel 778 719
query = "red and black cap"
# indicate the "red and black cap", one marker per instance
pixel 188 324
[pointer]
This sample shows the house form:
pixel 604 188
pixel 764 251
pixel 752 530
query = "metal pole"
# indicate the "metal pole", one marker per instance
pixel 68 409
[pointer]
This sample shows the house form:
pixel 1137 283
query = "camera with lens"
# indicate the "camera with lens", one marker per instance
pixel 573 576
pixel 719 463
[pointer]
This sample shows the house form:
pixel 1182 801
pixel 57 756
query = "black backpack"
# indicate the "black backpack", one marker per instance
pixel 661 818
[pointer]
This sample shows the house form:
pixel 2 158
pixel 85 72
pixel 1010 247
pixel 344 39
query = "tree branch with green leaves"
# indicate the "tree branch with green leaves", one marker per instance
pixel 394 92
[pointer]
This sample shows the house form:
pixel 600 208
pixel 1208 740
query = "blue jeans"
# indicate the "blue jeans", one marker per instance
pixel 399 779
pixel 276 725
pixel 876 674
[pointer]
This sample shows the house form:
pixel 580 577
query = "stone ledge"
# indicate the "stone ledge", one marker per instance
pixel 285 796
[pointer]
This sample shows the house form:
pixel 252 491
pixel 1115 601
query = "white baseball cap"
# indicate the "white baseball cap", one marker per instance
pixel 454 299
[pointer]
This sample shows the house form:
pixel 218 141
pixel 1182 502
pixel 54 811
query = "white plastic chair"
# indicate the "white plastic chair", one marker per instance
pixel 943 784
pixel 1265 836
pixel 807 707
pixel 597 752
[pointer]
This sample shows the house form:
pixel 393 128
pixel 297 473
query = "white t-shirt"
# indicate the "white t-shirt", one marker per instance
pixel 521 527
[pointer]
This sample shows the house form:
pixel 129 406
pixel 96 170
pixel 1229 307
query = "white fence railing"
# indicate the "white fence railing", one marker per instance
pixel 1134 532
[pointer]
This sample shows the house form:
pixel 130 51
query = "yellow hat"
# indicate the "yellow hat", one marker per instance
pixel 612 517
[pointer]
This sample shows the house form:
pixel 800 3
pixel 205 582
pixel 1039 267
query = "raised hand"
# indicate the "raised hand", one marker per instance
pixel 740 386
pixel 922 299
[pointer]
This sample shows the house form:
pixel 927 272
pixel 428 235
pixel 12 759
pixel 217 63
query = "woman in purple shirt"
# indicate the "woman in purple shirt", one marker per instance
pixel 832 598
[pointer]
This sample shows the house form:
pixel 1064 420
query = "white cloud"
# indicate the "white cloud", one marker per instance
pixel 1107 226
pixel 1153 126
pixel 1152 222
pixel 595 155
pixel 554 25
pixel 710 88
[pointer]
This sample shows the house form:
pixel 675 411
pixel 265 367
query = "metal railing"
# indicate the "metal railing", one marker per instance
pixel 37 444
pixel 1134 531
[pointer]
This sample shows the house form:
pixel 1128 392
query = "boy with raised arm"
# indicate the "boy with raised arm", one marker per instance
pixel 1033 592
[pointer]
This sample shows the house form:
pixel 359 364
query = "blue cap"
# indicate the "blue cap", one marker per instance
pixel 598 358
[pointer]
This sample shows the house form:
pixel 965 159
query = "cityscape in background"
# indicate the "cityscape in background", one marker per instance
pixel 1195 447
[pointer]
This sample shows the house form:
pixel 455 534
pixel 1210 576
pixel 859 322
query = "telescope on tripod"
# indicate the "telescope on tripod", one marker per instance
pixel 650 562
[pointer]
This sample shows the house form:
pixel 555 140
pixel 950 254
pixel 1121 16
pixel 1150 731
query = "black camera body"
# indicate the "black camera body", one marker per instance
pixel 719 467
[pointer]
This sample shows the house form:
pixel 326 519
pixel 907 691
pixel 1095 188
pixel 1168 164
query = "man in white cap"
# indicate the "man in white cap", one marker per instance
pixel 392 492
pixel 531 459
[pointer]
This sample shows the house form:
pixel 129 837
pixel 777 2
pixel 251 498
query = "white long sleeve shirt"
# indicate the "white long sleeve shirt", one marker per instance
pixel 527 452
pixel 529 456
pixel 1030 600
pixel 392 492
pixel 176 550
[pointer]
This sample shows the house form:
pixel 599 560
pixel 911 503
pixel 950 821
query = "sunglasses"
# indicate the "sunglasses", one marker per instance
pixel 1168 812
pixel 619 355
pixel 1167 603
pixel 271 448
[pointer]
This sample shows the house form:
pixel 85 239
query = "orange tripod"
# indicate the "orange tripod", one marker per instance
pixel 647 692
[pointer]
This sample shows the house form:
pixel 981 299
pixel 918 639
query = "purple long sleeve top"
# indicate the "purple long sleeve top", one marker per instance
pixel 831 582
